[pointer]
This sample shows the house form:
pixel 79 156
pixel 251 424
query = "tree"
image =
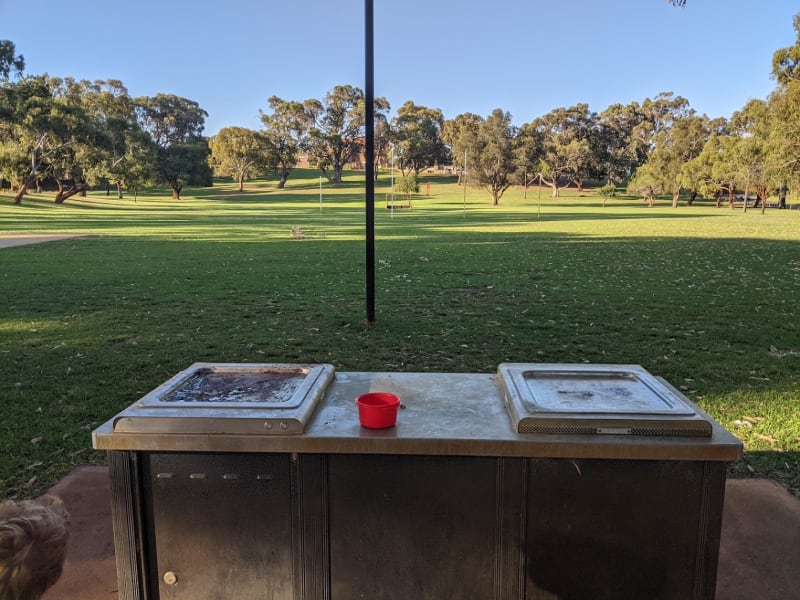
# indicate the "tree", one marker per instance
pixel 528 155
pixel 286 129
pixel 120 142
pixel 784 107
pixel 716 172
pixel 43 130
pixel 337 136
pixel 240 153
pixel 567 152
pixel 416 133
pixel 492 157
pixel 408 184
pixel 8 61
pixel 647 184
pixel 786 61
pixel 101 152
pixel 460 134
pixel 619 151
pixel 176 125
pixel 673 147
pixel 752 152
pixel 657 115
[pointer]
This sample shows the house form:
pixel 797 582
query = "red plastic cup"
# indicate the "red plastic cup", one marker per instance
pixel 377 410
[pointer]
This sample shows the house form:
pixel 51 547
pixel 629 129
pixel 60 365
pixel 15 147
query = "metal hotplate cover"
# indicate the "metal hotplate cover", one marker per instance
pixel 596 399
pixel 230 398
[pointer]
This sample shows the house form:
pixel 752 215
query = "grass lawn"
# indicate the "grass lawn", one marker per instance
pixel 705 297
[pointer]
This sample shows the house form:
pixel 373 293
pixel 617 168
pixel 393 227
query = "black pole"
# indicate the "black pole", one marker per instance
pixel 369 92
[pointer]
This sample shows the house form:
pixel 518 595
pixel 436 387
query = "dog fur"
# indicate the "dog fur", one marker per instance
pixel 33 544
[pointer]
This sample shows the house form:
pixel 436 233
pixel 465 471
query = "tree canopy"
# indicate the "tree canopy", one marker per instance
pixel 240 153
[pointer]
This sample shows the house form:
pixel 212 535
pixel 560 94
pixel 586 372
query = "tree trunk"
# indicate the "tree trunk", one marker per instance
pixel 744 198
pixel 691 199
pixel 495 198
pixel 718 199
pixel 782 196
pixel 23 189
pixel 284 177
pixel 241 182
pixel 75 189
pixel 119 190
pixel 176 192
pixel 675 197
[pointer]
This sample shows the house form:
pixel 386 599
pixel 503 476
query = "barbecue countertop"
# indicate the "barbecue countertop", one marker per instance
pixel 456 414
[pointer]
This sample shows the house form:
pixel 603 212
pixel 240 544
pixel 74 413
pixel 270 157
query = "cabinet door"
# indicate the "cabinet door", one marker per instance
pixel 221 526
pixel 618 530
pixel 424 527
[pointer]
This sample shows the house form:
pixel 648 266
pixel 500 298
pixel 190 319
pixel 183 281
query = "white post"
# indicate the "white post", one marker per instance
pixel 391 194
pixel 464 183
pixel 320 193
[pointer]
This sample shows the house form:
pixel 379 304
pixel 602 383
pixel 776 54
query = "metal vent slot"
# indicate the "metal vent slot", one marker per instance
pixel 670 432
pixel 647 431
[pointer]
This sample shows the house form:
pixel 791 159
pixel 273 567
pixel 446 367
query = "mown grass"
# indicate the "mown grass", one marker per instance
pixel 705 297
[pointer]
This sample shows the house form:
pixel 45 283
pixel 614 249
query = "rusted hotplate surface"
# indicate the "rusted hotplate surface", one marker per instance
pixel 228 398
pixel 597 399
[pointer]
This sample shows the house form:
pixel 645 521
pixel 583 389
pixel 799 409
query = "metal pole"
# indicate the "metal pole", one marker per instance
pixel 369 92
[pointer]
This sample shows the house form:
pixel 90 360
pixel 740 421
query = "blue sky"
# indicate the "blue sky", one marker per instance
pixel 524 56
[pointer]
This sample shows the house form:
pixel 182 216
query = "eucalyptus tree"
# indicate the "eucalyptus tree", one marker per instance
pixel 43 130
pixel 175 125
pixel 416 133
pixel 673 147
pixel 10 62
pixel 786 61
pixel 567 150
pixel 337 135
pixel 241 153
pixel 493 153
pixel 784 105
pixel 646 183
pixel 286 129
pixel 657 115
pixel 459 134
pixel 116 140
pixel 528 155
pixel 716 168
pixel 752 152
pixel 619 151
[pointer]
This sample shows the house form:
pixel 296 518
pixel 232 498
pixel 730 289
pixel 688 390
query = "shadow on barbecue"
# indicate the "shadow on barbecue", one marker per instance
pixel 572 567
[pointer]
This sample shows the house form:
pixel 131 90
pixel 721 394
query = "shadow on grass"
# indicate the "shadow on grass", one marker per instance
pixel 783 467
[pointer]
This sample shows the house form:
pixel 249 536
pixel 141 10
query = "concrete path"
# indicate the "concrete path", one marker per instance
pixel 759 552
pixel 8 240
